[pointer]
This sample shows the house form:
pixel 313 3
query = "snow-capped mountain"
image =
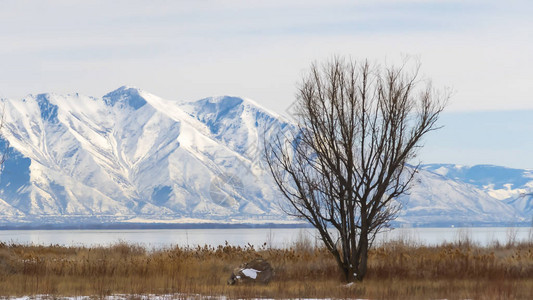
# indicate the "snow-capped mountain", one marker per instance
pixel 131 156
pixel 512 186
pixel 439 200
pixel 500 182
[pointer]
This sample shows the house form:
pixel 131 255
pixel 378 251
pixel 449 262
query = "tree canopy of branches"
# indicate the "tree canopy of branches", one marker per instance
pixel 345 163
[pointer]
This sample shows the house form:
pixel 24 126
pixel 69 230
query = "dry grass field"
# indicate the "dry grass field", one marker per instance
pixel 398 270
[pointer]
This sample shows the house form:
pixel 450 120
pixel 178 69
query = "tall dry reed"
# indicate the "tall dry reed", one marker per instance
pixel 397 270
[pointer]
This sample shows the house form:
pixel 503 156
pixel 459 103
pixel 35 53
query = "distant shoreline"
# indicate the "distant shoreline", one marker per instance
pixel 137 226
pixel 221 225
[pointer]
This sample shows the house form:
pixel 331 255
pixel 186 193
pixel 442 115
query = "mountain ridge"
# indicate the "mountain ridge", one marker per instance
pixel 132 155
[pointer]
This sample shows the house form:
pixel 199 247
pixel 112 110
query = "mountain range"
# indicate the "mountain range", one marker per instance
pixel 133 157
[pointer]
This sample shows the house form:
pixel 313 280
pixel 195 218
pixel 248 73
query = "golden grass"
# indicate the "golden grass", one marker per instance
pixel 397 270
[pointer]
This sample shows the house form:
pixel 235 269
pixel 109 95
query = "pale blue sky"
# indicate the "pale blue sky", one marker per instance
pixel 187 50
pixel 490 137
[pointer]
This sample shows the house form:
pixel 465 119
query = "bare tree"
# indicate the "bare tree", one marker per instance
pixel 346 161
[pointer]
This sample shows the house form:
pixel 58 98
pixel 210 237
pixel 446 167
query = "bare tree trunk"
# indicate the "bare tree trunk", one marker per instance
pixel 363 259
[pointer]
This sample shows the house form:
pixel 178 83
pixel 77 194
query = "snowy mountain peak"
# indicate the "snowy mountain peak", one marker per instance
pixel 229 105
pixel 126 97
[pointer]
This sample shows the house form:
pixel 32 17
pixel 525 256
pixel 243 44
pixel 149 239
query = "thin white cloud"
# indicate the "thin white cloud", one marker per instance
pixel 187 50
pixel 258 49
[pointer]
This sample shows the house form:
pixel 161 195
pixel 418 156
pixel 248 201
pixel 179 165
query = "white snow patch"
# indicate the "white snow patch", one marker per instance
pixel 252 273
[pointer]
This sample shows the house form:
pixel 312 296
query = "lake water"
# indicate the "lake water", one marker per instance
pixel 278 238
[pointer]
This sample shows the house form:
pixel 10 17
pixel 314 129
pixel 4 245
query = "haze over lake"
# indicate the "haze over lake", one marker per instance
pixel 277 238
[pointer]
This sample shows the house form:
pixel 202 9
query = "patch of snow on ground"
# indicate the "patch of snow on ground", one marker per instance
pixel 252 273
